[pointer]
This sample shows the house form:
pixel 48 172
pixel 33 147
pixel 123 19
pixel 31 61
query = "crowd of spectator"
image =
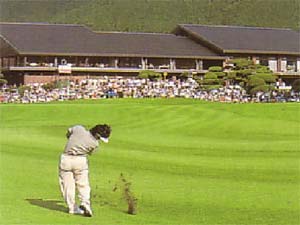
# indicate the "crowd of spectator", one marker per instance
pixel 119 87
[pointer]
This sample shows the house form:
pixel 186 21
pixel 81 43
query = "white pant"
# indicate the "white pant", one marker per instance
pixel 73 171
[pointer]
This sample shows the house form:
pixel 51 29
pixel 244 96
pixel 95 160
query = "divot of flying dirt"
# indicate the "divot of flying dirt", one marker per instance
pixel 125 187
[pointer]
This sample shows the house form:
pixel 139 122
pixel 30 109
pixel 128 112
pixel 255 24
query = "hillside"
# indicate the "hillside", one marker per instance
pixel 154 15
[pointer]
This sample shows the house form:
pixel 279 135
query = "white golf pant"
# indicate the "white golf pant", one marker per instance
pixel 73 172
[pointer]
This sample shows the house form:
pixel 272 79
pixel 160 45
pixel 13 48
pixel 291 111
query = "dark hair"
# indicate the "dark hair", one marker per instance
pixel 103 130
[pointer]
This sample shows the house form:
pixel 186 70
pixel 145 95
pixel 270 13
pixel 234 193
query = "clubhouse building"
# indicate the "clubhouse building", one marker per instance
pixel 35 52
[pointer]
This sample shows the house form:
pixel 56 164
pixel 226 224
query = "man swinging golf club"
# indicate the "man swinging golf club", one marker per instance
pixel 73 165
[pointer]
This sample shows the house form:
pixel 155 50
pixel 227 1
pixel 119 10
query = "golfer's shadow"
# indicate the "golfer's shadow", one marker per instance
pixel 48 204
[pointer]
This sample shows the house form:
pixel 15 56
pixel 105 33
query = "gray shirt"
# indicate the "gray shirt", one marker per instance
pixel 81 141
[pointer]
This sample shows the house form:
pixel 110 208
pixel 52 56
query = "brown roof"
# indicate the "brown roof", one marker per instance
pixel 31 38
pixel 235 39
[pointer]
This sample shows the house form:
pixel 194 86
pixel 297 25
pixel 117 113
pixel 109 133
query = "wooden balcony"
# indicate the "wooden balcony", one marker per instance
pixel 289 74
pixel 97 69
pixel 30 68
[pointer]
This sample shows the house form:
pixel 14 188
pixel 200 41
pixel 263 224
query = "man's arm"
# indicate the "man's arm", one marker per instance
pixel 93 150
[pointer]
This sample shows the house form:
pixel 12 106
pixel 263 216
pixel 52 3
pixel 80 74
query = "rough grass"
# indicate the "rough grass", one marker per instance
pixel 189 162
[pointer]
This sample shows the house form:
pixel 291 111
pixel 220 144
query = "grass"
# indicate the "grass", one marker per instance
pixel 189 162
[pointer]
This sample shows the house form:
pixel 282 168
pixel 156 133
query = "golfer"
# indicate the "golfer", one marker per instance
pixel 73 165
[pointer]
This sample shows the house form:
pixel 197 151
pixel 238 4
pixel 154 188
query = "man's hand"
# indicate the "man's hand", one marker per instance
pixel 68 134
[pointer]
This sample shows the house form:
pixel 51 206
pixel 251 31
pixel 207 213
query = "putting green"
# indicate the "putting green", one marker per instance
pixel 189 162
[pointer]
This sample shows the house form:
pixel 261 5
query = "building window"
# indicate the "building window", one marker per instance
pixel 291 66
pixel 185 64
pixel 127 62
pixel 209 63
pixel 158 63
pixel 273 64
pixel 264 62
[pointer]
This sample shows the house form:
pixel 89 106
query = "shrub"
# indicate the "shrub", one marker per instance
pixel 211 81
pixel 262 69
pixel 241 79
pixel 215 69
pixel 268 78
pixel 220 74
pixel 262 88
pixel 49 86
pixel 183 76
pixel 242 84
pixel 144 74
pixel 22 89
pixel 212 87
pixel 210 75
pixel 2 81
pixel 246 72
pixel 199 81
pixel 155 76
pixel 241 63
pixel 231 75
pixel 296 85
pixel 256 81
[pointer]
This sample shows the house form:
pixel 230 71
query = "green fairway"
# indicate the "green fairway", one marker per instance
pixel 189 162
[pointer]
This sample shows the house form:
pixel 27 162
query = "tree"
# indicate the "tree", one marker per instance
pixel 22 89
pixel 251 76
pixel 296 85
pixel 268 78
pixel 49 86
pixel 260 88
pixel 231 76
pixel 183 76
pixel 255 81
pixel 213 79
pixel 217 70
pixel 241 63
